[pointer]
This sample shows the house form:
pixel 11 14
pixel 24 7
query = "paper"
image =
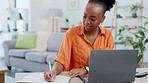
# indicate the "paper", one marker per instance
pixel 39 78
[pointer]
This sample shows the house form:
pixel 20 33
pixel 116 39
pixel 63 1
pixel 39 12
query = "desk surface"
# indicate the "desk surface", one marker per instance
pixel 19 76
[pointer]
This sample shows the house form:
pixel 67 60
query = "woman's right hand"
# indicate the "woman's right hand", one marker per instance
pixel 49 75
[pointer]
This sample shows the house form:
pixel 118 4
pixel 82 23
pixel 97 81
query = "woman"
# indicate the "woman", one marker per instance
pixel 78 41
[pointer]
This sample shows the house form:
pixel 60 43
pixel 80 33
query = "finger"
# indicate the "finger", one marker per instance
pixel 69 74
pixel 49 80
pixel 47 77
pixel 45 71
pixel 53 77
pixel 73 71
pixel 74 74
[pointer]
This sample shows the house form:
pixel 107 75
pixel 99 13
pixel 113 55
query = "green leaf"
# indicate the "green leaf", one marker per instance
pixel 146 41
pixel 137 36
pixel 141 33
pixel 130 41
pixel 145 23
pixel 120 30
pixel 140 57
pixel 135 46
pixel 142 38
pixel 145 17
pixel 140 45
pixel 120 38
pixel 142 27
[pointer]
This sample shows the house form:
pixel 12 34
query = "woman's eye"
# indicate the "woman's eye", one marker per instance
pixel 84 16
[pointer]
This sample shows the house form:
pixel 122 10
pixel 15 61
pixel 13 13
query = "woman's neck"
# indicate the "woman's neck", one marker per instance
pixel 93 32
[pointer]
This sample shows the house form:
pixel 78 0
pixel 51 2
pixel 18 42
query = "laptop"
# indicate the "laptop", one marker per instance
pixel 111 66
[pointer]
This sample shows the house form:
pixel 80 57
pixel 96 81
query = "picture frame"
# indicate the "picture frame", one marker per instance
pixel 73 4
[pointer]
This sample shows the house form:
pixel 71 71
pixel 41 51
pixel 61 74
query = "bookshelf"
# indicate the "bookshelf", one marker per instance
pixel 64 29
pixel 123 17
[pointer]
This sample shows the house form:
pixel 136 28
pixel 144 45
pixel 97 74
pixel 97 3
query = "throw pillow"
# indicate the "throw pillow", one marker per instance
pixel 26 41
pixel 42 41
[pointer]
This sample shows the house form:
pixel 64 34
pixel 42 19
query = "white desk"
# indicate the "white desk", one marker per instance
pixel 19 76
pixel 143 79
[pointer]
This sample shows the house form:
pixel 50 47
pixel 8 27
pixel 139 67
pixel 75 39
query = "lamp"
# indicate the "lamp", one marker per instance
pixel 55 14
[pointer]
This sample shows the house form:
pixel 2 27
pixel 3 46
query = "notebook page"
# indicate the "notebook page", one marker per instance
pixel 39 78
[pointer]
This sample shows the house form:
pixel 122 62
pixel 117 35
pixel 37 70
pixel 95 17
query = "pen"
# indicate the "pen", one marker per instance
pixel 49 65
pixel 50 69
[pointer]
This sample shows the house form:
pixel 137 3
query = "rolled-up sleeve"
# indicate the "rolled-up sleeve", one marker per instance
pixel 64 53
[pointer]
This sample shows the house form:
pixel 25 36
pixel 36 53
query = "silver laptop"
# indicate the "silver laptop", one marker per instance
pixel 112 66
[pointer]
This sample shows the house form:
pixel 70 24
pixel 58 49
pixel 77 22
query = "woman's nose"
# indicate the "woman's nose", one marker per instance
pixel 87 21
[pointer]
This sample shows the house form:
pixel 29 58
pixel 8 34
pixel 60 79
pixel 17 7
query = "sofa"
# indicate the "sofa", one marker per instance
pixel 31 59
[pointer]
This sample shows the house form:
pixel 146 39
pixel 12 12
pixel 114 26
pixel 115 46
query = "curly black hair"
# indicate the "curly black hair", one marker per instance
pixel 107 4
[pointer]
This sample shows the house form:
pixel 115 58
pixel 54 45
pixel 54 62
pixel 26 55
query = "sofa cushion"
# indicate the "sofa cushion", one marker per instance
pixel 42 40
pixel 55 41
pixel 39 56
pixel 26 41
pixel 19 52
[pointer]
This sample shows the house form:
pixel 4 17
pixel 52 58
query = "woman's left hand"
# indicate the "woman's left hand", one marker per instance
pixel 75 72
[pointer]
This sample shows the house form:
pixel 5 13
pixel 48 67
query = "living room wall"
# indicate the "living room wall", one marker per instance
pixel 39 13
pixel 3 13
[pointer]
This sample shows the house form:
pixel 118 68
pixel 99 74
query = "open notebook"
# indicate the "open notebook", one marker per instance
pixel 39 78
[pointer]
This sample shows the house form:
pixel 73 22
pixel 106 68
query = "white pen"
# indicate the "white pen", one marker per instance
pixel 49 65
pixel 50 68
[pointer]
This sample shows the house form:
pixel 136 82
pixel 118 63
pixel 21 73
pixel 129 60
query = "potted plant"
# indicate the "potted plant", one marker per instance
pixel 137 40
pixel 67 22
pixel 13 13
pixel 134 8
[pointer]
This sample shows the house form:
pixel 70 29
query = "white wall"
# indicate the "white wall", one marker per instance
pixel 3 14
pixel 39 13
pixel 74 16
pixel 23 4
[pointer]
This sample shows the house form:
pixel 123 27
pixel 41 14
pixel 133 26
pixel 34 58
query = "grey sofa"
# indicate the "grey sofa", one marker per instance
pixel 32 60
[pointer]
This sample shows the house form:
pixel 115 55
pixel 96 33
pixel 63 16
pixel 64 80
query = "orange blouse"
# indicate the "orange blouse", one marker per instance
pixel 75 48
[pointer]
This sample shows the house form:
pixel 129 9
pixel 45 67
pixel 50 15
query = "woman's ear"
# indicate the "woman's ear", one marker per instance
pixel 103 18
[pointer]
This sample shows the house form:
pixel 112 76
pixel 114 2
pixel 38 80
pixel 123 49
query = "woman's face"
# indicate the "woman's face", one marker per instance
pixel 93 16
